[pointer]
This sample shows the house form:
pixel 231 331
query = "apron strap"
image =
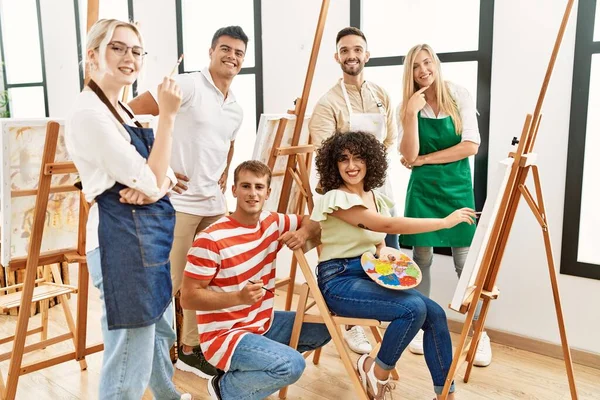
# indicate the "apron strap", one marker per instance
pixel 347 99
pixel 96 89
pixel 379 103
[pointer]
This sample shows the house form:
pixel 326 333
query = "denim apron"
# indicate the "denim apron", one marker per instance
pixel 436 190
pixel 135 242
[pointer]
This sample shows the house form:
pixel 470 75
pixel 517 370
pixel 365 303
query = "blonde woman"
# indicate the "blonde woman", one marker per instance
pixel 123 169
pixel 438 131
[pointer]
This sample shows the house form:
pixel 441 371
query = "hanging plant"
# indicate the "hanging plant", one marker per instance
pixel 4 111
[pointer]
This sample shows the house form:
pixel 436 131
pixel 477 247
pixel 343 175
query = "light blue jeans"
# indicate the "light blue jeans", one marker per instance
pixel 134 358
pixel 263 364
pixel 423 256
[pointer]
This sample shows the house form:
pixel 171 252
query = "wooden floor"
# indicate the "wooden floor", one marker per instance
pixel 514 374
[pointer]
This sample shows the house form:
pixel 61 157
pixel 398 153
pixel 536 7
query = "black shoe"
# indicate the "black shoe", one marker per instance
pixel 195 363
pixel 214 389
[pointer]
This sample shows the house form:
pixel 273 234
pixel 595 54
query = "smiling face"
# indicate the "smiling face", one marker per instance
pixel 352 168
pixel 227 56
pixel 251 192
pixel 352 54
pixel 121 69
pixel 424 69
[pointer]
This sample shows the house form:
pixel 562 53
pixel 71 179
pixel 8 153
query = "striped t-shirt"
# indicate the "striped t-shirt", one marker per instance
pixel 230 254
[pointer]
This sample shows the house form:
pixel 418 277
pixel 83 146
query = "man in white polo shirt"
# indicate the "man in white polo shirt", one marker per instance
pixel 205 130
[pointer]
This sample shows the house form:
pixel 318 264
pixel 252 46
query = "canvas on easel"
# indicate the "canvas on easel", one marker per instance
pixel 40 290
pixel 265 138
pixel 22 143
pixel 501 217
pixel 466 284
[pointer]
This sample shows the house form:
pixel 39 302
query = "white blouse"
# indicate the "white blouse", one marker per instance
pixel 103 154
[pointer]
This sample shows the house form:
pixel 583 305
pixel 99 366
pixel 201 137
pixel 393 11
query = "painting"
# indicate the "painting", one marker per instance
pixel 22 147
pixel 466 283
pixel 267 128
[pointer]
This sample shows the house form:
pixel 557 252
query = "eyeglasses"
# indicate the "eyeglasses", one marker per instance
pixel 121 48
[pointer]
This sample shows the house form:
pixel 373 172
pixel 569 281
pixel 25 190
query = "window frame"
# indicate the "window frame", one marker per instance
pixel 257 70
pixel 483 56
pixel 585 48
pixel 43 83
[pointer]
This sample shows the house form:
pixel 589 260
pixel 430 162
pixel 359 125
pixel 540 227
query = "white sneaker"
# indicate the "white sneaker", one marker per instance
pixel 186 396
pixel 357 340
pixel 483 356
pixel 416 345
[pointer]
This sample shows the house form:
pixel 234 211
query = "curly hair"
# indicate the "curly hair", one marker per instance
pixel 361 144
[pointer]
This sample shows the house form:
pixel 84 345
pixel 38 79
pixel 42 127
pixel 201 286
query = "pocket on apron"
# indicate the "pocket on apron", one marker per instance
pixel 150 228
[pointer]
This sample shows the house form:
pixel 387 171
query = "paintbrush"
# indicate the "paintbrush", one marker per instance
pixel 176 65
pixel 268 290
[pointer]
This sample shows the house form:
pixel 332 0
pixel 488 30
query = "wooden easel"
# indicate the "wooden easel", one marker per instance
pixel 30 293
pixel 299 156
pixel 485 289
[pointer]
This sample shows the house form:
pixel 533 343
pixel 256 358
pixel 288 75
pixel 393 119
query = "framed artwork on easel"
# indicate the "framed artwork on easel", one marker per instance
pixel 22 142
pixel 265 137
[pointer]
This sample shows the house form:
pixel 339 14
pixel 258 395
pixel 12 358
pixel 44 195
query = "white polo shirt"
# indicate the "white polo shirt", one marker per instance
pixel 205 125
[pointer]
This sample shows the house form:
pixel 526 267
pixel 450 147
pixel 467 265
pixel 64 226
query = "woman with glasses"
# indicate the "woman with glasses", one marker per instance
pixel 123 169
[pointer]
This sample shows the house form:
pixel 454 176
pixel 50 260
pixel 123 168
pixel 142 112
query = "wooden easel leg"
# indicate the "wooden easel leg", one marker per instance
pixel 67 310
pixel 459 353
pixel 291 284
pixel 82 307
pixel 14 369
pixel 479 324
pixel 44 306
pixel 554 283
pixel 2 385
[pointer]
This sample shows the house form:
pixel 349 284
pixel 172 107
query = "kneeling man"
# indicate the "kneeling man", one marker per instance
pixel 229 279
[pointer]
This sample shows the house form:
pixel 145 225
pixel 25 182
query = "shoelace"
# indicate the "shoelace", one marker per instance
pixel 198 353
pixel 359 335
pixel 384 390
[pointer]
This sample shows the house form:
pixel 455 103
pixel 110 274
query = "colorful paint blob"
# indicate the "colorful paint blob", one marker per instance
pixel 392 269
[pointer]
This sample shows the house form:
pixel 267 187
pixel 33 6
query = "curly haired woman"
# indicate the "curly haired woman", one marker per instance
pixel 355 219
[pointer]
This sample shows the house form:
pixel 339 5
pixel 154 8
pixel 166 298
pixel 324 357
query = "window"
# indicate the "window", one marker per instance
pixel 580 252
pixel 196 24
pixel 462 38
pixel 22 53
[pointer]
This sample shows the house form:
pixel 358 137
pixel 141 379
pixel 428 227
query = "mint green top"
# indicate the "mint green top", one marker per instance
pixel 339 238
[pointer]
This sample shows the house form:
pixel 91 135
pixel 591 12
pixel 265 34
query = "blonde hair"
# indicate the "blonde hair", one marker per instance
pixel 445 100
pixel 100 35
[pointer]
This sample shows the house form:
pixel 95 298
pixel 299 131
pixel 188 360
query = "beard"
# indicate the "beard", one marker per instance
pixel 353 72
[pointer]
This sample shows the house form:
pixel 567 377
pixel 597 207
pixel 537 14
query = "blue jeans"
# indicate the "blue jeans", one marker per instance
pixel 423 256
pixel 134 358
pixel 263 364
pixel 349 292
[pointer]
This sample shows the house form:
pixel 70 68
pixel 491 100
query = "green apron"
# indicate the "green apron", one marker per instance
pixel 434 191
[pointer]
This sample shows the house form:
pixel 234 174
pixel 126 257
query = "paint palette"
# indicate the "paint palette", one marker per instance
pixel 393 269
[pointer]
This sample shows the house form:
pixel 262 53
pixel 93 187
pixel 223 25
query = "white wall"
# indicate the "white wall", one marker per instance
pixel 287 43
pixel 60 51
pixel 522 45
